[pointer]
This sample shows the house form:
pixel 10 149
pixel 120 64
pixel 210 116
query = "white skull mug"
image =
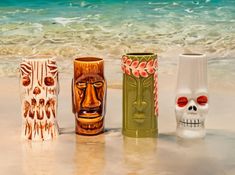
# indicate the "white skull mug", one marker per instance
pixel 39 89
pixel 191 102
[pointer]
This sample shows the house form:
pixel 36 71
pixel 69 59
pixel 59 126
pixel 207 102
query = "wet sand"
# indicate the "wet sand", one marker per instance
pixel 111 153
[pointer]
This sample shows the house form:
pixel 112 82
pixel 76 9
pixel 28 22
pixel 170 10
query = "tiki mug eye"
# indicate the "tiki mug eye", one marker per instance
pixel 147 81
pixel 182 101
pixel 25 81
pixel 49 81
pixel 132 81
pixel 98 84
pixel 202 100
pixel 81 85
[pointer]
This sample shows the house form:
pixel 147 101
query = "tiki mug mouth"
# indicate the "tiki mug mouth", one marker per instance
pixel 89 113
pixel 139 117
pixel 89 126
pixel 89 121
pixel 40 108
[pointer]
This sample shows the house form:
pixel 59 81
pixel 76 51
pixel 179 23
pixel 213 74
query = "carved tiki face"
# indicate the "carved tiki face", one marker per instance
pixel 140 94
pixel 39 90
pixel 191 106
pixel 89 95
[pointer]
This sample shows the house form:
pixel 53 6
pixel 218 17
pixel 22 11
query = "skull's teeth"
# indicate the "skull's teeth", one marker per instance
pixel 191 123
pixel 36 109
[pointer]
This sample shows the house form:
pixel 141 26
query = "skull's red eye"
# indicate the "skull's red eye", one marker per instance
pixel 25 81
pixel 49 81
pixel 182 101
pixel 202 100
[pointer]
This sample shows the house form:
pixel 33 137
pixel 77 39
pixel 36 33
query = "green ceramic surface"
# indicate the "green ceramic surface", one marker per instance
pixel 139 119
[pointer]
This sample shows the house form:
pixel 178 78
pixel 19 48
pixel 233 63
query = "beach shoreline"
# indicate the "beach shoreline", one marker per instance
pixel 70 154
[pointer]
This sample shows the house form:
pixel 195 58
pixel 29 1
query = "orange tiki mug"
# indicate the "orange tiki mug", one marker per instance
pixel 89 95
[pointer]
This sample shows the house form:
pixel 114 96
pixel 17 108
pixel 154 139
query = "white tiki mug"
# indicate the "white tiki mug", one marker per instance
pixel 39 89
pixel 191 103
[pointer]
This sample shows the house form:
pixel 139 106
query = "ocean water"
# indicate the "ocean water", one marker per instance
pixel 110 28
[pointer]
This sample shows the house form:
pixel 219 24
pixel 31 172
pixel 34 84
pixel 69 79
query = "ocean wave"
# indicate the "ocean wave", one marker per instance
pixel 189 10
pixel 113 29
pixel 21 11
pixel 30 29
pixel 158 3
pixel 65 21
pixel 82 4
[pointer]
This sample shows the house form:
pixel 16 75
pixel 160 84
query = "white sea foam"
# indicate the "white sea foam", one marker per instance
pixel 157 9
pixel 158 3
pixel 13 12
pixel 84 4
pixel 38 26
pixel 189 10
pixel 65 21
pixel 22 11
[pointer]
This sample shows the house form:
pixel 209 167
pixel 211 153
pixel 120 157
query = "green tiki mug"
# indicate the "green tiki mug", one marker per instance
pixel 140 101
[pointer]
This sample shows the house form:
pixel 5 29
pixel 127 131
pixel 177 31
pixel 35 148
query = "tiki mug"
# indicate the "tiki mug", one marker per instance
pixel 191 103
pixel 89 95
pixel 39 90
pixel 140 98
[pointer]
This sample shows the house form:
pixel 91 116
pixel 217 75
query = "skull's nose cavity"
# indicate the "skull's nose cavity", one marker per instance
pixel 36 91
pixel 192 108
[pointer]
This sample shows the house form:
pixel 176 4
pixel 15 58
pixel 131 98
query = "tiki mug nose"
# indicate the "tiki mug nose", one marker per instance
pixel 90 100
pixel 36 91
pixel 139 105
pixel 192 108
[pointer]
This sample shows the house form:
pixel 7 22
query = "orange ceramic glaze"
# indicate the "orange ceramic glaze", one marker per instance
pixel 89 95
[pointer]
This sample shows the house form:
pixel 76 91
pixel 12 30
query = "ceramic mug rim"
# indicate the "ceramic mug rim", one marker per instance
pixel 88 59
pixel 140 54
pixel 192 55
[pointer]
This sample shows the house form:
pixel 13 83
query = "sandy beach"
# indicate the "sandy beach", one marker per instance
pixel 111 153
